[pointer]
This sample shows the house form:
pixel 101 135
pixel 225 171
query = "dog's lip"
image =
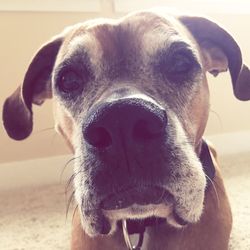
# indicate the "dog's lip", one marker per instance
pixel 143 195
pixel 179 220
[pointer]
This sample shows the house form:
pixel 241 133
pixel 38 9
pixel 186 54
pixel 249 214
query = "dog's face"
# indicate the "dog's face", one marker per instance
pixel 131 99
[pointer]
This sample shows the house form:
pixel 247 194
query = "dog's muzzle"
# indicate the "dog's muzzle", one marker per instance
pixel 126 135
pixel 132 167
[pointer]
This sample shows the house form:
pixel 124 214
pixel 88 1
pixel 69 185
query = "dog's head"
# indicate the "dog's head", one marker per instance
pixel 132 101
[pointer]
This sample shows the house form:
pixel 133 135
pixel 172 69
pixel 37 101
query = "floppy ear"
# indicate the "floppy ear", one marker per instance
pixel 220 52
pixel 36 87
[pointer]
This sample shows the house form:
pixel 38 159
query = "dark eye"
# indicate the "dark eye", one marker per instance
pixel 180 63
pixel 178 66
pixel 70 82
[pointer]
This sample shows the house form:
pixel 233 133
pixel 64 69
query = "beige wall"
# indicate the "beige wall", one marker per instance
pixel 22 34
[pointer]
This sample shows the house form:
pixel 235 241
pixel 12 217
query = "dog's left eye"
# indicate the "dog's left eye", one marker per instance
pixel 69 82
pixel 180 63
pixel 178 66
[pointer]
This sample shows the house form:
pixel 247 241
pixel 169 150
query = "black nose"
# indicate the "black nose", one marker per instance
pixel 128 122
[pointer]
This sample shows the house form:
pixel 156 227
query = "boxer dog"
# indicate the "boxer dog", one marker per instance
pixel 131 100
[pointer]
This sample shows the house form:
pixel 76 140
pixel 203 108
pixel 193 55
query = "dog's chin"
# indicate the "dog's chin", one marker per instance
pixel 138 212
pixel 137 203
pixel 132 205
pixel 141 213
pixel 105 222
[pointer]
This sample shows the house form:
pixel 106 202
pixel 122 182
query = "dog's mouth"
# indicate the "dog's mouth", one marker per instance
pixel 137 196
pixel 142 204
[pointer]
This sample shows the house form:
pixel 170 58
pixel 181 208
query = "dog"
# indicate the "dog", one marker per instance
pixel 131 99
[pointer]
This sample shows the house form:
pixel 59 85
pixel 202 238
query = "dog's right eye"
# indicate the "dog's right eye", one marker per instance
pixel 69 82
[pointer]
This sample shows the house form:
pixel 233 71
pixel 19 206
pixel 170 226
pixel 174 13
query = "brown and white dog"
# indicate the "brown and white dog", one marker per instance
pixel 131 100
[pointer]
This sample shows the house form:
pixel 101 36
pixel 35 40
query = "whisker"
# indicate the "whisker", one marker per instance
pixel 66 165
pixel 215 190
pixel 217 116
pixel 44 130
pixel 70 180
pixel 71 197
pixel 69 203
pixel 76 207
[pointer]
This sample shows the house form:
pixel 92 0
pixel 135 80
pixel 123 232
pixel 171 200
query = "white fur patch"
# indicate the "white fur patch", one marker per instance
pixel 138 212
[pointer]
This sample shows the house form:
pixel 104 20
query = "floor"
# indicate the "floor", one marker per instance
pixel 35 218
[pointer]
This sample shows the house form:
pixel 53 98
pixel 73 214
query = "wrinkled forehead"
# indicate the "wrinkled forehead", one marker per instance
pixel 141 33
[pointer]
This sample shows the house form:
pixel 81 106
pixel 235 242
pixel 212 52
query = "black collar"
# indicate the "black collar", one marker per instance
pixel 139 227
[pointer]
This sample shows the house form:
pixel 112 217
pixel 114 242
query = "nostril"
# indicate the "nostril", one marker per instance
pixel 146 130
pixel 98 137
